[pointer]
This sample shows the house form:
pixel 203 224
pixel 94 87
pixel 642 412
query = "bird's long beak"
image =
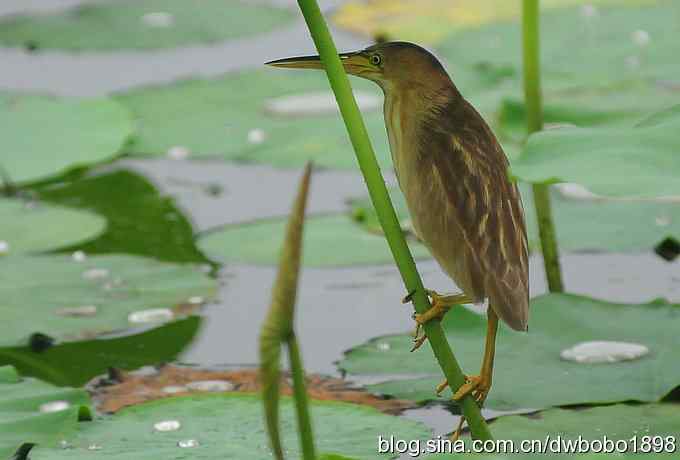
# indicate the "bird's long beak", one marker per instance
pixel 354 62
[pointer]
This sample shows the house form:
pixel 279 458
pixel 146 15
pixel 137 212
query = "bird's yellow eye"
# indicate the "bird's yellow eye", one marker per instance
pixel 376 59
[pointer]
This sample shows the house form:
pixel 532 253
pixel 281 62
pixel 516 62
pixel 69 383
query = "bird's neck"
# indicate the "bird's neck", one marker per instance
pixel 419 100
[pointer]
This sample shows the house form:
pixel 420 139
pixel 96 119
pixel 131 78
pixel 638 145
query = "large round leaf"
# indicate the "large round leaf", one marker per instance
pixel 632 423
pixel 581 225
pixel 217 117
pixel 529 371
pixel 617 44
pixel 229 426
pixel 332 240
pixel 44 136
pixel 40 293
pixel 641 161
pixel 434 20
pixel 76 363
pixel 24 224
pixel 142 24
pixel 141 220
pixel 21 418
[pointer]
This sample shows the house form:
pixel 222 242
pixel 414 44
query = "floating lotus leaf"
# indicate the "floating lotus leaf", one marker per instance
pixel 433 20
pixel 641 161
pixel 616 44
pixel 21 417
pixel 530 373
pixel 71 300
pixel 141 220
pixel 630 423
pixel 333 240
pixel 228 426
pixel 24 224
pixel 43 136
pixel 76 363
pixel 141 24
pixel 231 117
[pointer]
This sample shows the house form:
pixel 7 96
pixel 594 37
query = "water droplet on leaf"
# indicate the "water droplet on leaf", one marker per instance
pixel 256 136
pixel 604 351
pixel 589 11
pixel 95 273
pixel 318 103
pixel 178 153
pixel 383 346
pixel 640 37
pixel 153 315
pixel 4 247
pixel 187 443
pixel 663 221
pixel 158 19
pixel 79 256
pixel 94 446
pixel 54 406
pixel 167 425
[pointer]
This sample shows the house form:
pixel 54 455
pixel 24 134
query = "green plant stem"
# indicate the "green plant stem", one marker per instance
pixel 385 211
pixel 532 93
pixel 301 402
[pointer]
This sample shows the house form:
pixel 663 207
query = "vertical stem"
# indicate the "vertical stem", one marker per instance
pixel 541 192
pixel 385 211
pixel 301 403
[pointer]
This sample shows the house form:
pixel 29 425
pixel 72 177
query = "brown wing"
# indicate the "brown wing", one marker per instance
pixel 488 211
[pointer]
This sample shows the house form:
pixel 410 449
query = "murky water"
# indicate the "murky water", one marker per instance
pixel 337 308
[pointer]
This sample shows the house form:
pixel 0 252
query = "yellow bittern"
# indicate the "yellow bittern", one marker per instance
pixel 454 175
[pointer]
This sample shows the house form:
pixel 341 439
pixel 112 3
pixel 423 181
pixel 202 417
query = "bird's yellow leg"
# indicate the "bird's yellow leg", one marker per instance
pixel 441 304
pixel 479 385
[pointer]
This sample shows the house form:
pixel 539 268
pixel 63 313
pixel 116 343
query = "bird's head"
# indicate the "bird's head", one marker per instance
pixel 390 65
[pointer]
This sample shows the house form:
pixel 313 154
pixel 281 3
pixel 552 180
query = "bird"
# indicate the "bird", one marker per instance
pixel 454 176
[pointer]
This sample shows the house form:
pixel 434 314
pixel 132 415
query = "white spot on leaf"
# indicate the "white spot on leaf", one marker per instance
pixel 167 425
pixel 152 315
pixel 604 351
pixel 319 103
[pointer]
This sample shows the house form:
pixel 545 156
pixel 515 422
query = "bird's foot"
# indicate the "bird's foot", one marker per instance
pixel 441 304
pixel 476 385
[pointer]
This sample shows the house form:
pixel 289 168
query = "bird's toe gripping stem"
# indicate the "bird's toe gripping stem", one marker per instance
pixel 441 304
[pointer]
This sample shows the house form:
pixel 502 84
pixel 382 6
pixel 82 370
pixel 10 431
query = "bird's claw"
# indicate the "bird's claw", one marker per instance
pixel 476 385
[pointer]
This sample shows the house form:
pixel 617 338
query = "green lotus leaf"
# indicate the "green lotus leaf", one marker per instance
pixel 217 117
pixel 530 372
pixel 141 24
pixel 71 300
pixel 616 44
pixel 141 220
pixel 24 226
pixel 641 161
pixel 228 426
pixel 43 136
pixel 332 240
pixel 76 363
pixel 638 425
pixel 21 417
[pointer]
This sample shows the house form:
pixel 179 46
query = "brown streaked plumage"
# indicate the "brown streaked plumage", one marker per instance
pixel 454 175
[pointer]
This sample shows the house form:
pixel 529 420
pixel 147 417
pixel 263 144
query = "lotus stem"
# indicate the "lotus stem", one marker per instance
pixel 532 93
